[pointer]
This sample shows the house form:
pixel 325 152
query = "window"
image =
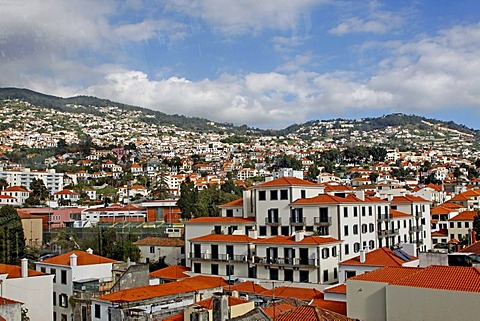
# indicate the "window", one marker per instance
pixel 371 244
pixel 54 272
pixel 335 273
pixel 356 247
pixel 355 229
pixel 459 224
pixel 452 225
pixel 364 212
pixel 284 194
pixel 355 212
pixel 286 230
pixel 350 274
pixel 334 251
pixel 345 212
pixel 452 236
pixel 63 300
pixel 371 227
pixel 288 275
pixel 364 228
pixel 232 228
pixel 54 298
pixel 229 213
pixel 273 274
pixel 325 275
pixel 97 311
pixel 325 253
pixel 262 231
pixel 273 195
pixel 304 276
pixel 467 224
pixel 262 195
pixel 345 230
pixel 63 317
pixel 370 211
pixel 347 249
pixel 303 193
pixel 152 249
pixel 230 269
pixel 214 269
pixel 197 267
pixel 43 269
pixel 274 230
pixel 217 229
pixel 63 277
pixel 54 316
pixel 404 224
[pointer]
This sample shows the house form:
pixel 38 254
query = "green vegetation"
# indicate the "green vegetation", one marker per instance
pixel 12 240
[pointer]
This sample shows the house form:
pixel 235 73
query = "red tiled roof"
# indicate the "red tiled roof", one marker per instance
pixel 280 239
pixel 336 187
pixel 341 288
pixel 409 199
pixel 235 203
pixel 15 272
pixel 228 238
pixel 473 248
pixel 175 317
pixel 304 294
pixel 440 233
pixel 151 291
pixel 398 214
pixel 161 241
pixel 221 219
pixel 453 278
pixel 335 306
pixel 288 181
pixel 4 301
pixel 83 258
pixel 232 301
pixel 441 209
pixel 171 272
pixel 15 189
pixel 276 309
pixel 66 192
pixel 246 287
pixel 328 199
pixel 386 274
pixel 379 257
pixel 464 216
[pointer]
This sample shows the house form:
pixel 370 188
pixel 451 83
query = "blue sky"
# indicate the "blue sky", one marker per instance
pixel 264 63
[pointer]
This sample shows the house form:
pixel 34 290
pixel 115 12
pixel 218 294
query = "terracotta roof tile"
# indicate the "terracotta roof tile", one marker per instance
pixel 246 287
pixel 473 248
pixel 464 216
pixel 232 301
pixel 83 258
pixel 335 306
pixel 304 294
pixel 173 272
pixel 408 199
pixel 175 317
pixel 280 239
pixel 386 274
pixel 341 288
pixel 15 272
pixel 398 214
pixel 440 233
pixel 152 291
pixel 235 203
pixel 276 309
pixel 287 181
pixel 379 257
pixel 311 313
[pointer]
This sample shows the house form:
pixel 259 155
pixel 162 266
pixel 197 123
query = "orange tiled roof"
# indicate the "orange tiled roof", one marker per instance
pixel 311 313
pixel 341 288
pixel 280 239
pixel 336 187
pixel 379 257
pixel 175 317
pixel 304 294
pixel 221 219
pixel 459 197
pixel 387 274
pixel 473 248
pixel 328 199
pixel 246 287
pixel 409 199
pixel 235 203
pixel 161 241
pixel 15 272
pixel 453 278
pixel 228 238
pixel 464 216
pixel 192 284
pixel 232 301
pixel 440 233
pixel 288 181
pixel 171 272
pixel 398 214
pixel 15 189
pixel 83 258
pixel 335 306
pixel 277 309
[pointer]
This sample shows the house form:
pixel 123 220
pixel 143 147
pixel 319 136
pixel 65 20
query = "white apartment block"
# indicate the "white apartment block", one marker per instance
pixel 53 181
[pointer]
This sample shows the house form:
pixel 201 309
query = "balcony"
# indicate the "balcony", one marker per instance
pixel 388 233
pixel 297 221
pixel 383 217
pixel 218 257
pixel 415 229
pixel 419 242
pixel 277 221
pixel 284 261
pixel 320 221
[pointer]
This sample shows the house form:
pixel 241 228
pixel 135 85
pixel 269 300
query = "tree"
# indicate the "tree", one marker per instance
pixel 188 201
pixel 3 184
pixel 12 239
pixel 210 198
pixel 230 187
pixel 39 194
pixel 476 226
pixel 373 177
pixel 313 173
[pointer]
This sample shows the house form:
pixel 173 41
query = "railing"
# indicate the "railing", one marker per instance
pixel 383 217
pixel 273 221
pixel 218 257
pixel 418 214
pixel 297 221
pixel 319 221
pixel 387 233
pixel 419 242
pixel 284 261
pixel 415 229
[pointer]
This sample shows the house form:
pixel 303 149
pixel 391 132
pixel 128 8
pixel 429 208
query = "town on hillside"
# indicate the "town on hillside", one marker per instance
pixel 118 218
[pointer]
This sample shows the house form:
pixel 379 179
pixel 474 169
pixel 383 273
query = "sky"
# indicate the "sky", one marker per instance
pixel 263 63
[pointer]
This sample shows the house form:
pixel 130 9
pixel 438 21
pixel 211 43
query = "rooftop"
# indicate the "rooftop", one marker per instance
pixel 83 258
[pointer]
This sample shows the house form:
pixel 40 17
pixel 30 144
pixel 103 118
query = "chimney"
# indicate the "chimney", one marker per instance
pixel 73 260
pixel 24 268
pixel 253 233
pixel 299 235
pixel 363 255
pixel 89 251
pixel 220 306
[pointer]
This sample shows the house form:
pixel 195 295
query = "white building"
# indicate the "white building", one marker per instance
pixel 53 181
pixel 18 192
pixel 34 289
pixel 71 267
pixel 170 251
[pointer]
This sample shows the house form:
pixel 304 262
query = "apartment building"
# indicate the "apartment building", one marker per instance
pixel 461 225
pixel 23 177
